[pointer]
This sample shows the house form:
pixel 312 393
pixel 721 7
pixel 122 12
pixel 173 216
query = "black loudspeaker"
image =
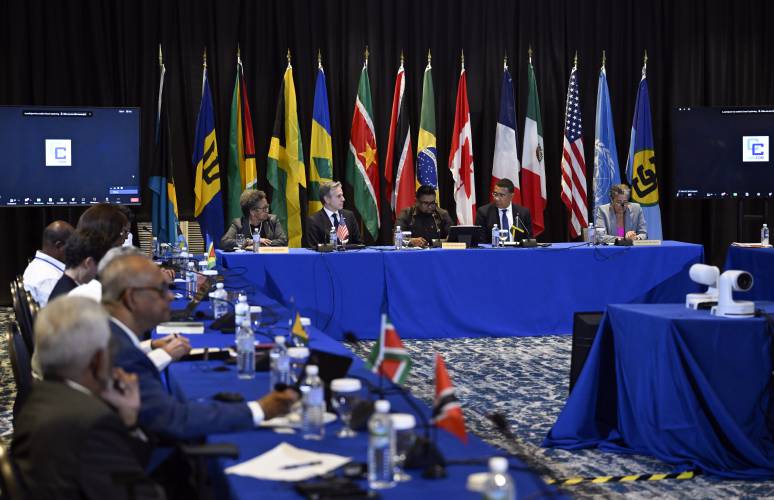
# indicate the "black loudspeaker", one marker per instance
pixel 584 329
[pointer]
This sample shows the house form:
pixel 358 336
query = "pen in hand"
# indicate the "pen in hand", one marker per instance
pixel 298 466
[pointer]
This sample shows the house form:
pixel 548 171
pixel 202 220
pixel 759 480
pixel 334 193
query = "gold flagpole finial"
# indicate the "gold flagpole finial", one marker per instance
pixel 204 58
pixel 505 62
pixel 239 56
pixel 604 59
pixel 319 58
pixel 288 56
pixel 529 53
pixel 645 63
pixel 366 54
pixel 462 58
pixel 161 57
pixel 402 58
pixel 575 60
pixel 429 56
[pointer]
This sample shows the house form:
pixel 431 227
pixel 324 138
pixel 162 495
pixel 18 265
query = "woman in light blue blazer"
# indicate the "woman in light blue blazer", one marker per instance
pixel 621 218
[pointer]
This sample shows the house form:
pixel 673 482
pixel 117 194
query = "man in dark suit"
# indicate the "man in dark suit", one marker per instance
pixel 506 214
pixel 255 217
pixel 426 220
pixel 136 294
pixel 82 253
pixel 318 225
pixel 72 436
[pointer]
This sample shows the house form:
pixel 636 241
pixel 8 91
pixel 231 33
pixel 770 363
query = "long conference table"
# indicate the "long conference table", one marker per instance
pixel 760 263
pixel 203 379
pixel 436 293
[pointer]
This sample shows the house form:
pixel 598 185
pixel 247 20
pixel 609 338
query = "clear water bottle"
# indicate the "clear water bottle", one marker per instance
pixel 256 241
pixel 219 301
pixel 280 363
pixel 397 238
pixel 190 281
pixel 245 341
pixel 499 485
pixel 333 237
pixel 592 235
pixel 313 405
pixel 765 235
pixel 256 316
pixel 381 448
pixel 241 311
pixel 156 248
pixel 495 236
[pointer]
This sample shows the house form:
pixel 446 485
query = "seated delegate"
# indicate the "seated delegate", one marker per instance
pixel 255 217
pixel 621 218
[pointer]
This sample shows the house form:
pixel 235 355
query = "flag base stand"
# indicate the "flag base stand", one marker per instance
pixel 426 455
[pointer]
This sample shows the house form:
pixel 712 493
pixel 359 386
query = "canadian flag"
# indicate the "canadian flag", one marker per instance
pixel 461 157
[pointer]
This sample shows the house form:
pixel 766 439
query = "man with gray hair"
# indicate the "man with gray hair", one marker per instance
pixel 71 438
pixel 621 219
pixel 136 294
pixel 160 351
pixel 332 214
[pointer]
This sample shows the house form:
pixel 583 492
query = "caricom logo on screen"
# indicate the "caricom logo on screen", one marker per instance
pixel 59 153
pixel 755 148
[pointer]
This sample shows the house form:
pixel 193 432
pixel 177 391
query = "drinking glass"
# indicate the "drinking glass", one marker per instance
pixel 240 241
pixel 404 424
pixel 406 239
pixel 502 235
pixel 298 358
pixel 344 392
pixel 601 232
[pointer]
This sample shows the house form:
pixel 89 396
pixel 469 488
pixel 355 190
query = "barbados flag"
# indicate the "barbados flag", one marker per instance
pixel 427 163
pixel 641 165
pixel 162 183
pixel 321 150
pixel 208 207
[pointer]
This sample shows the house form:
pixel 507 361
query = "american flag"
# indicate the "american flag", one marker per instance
pixel 573 164
pixel 342 233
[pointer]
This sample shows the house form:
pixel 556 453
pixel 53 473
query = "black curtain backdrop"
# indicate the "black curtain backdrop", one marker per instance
pixel 105 53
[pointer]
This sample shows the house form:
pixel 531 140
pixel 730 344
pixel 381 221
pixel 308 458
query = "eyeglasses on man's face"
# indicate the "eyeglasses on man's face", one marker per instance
pixel 261 209
pixel 621 203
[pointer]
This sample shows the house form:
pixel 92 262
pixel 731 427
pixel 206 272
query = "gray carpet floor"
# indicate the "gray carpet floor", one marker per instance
pixel 525 378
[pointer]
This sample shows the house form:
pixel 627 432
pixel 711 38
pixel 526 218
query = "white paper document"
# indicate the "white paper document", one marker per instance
pixel 285 462
pixel 293 420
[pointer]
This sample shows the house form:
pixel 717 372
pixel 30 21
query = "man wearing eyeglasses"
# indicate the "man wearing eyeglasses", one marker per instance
pixel 135 293
pixel 506 214
pixel 425 219
pixel 255 217
pixel 621 218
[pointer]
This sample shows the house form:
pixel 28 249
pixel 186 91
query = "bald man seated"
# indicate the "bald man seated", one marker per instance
pixel 43 272
pixel 136 295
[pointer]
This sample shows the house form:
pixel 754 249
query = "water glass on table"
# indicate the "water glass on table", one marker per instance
pixel 240 241
pixel 344 393
pixel 406 239
pixel 404 424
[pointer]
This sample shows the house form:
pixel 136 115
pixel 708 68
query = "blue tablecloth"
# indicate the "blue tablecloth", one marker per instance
pixel 687 387
pixel 760 263
pixel 200 380
pixel 466 293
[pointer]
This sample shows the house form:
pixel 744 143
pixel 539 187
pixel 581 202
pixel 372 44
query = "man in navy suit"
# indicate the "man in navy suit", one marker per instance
pixel 136 294
pixel 318 225
pixel 505 213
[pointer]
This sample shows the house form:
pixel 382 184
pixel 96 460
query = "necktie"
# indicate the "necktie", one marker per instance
pixel 505 224
pixel 335 220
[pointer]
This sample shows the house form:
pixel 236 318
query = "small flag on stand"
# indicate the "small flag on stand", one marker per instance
pixel 211 255
pixel 389 357
pixel 447 412
pixel 298 332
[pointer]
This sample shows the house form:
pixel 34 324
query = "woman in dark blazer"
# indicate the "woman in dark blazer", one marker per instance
pixel 255 217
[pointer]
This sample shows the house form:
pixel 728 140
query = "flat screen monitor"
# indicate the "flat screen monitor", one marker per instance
pixel 723 152
pixel 470 235
pixel 69 156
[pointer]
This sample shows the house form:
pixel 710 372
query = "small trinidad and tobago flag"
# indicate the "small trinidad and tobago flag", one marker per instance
pixel 211 255
pixel 447 412
pixel 389 357
pixel 298 332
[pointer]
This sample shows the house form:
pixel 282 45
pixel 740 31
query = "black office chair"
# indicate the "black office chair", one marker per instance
pixel 21 366
pixel 10 485
pixel 23 313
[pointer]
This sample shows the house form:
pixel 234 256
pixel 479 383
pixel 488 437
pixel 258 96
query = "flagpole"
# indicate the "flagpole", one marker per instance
pixel 429 60
pixel 645 64
pixel 505 62
pixel 289 65
pixel 604 60
pixel 319 60
pixel 365 54
pixel 204 68
pixel 462 61
pixel 529 53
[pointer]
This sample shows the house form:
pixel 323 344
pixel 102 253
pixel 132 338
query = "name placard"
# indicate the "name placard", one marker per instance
pixel 646 243
pixel 273 250
pixel 453 245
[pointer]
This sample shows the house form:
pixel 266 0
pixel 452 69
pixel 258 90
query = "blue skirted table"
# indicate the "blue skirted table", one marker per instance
pixel 760 263
pixel 689 388
pixel 466 293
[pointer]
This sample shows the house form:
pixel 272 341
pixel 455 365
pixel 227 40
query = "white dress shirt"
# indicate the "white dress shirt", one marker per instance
pixel 164 361
pixel 41 276
pixel 330 213
pixel 91 290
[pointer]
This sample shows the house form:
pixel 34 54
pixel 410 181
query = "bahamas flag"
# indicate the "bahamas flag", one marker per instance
pixel 321 150
pixel 641 165
pixel 285 168
pixel 162 183
pixel 606 172
pixel 208 207
pixel 242 173
pixel 427 163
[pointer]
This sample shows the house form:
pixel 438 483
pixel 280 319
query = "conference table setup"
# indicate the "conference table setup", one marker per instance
pixel 757 261
pixel 202 379
pixel 477 292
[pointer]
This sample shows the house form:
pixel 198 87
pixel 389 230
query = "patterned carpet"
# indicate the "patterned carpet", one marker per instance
pixel 532 372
